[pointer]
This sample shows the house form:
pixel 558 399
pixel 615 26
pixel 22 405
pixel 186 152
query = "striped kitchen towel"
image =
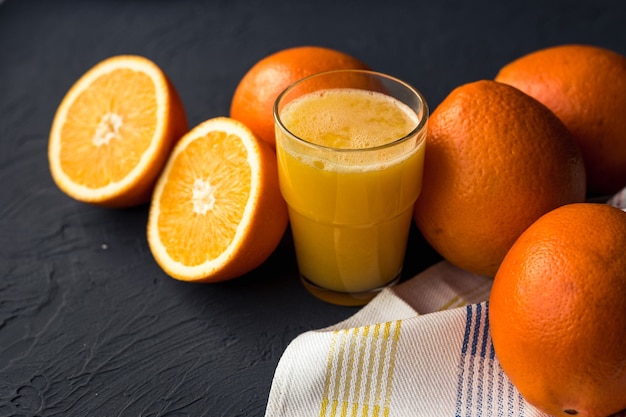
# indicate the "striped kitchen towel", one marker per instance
pixel 389 360
pixel 422 348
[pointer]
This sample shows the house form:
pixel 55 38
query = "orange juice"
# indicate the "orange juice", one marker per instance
pixel 350 185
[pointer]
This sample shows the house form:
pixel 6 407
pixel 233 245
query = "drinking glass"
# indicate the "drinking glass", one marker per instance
pixel 350 147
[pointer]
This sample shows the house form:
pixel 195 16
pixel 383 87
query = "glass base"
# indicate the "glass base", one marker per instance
pixel 348 299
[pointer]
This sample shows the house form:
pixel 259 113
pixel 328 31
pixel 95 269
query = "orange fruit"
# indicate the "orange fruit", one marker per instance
pixel 216 212
pixel 113 131
pixel 557 311
pixel 496 160
pixel 585 86
pixel 254 97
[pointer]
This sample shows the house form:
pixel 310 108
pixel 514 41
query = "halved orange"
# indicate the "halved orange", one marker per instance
pixel 113 132
pixel 216 212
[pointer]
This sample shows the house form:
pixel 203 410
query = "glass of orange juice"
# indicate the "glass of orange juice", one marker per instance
pixel 350 148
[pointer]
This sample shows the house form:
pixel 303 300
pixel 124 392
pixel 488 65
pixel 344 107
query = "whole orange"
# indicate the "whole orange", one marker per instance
pixel 585 86
pixel 254 97
pixel 557 311
pixel 496 160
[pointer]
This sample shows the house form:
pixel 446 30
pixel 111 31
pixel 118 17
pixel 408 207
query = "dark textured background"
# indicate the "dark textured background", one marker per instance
pixel 89 324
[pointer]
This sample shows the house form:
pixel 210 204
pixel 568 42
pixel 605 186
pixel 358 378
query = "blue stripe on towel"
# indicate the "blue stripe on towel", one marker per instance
pixel 482 387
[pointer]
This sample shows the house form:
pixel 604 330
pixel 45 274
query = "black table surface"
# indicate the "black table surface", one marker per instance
pixel 89 324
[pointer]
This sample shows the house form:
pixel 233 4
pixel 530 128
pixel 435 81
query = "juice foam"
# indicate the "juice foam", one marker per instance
pixel 349 119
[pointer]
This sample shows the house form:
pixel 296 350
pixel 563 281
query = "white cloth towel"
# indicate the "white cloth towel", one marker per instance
pixel 421 348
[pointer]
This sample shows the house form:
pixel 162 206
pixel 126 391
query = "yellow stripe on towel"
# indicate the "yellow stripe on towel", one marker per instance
pixel 359 371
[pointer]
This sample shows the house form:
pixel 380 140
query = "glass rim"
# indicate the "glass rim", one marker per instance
pixel 414 132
